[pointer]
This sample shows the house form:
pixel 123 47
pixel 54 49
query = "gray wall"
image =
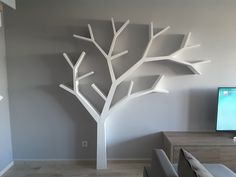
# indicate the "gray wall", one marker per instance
pixel 48 123
pixel 5 129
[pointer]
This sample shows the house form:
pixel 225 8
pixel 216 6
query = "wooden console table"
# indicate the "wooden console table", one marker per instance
pixel 206 147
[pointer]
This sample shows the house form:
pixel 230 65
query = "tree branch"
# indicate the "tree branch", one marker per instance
pixel 174 54
pixel 79 61
pixel 122 28
pixel 109 56
pixel 68 60
pixel 91 39
pixel 126 74
pixel 75 91
pixel 66 88
pixel 161 32
pixel 84 102
pixel 113 26
pixel 119 55
pixel 130 88
pixel 109 59
pixel 100 93
pixel 91 32
pixel 192 65
pixel 154 89
pixel 85 76
pixel 184 46
pixel 144 57
pixel 116 81
pixel 186 40
pixel 82 38
pixel 151 31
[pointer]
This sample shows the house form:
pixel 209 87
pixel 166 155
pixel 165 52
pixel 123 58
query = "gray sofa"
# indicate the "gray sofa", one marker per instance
pixel 162 167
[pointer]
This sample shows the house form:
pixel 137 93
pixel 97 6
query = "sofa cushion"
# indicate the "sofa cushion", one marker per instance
pixel 219 170
pixel 161 166
pixel 189 166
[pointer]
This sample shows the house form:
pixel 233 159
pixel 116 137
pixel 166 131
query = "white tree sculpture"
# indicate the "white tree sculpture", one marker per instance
pixel 101 117
pixel 1 97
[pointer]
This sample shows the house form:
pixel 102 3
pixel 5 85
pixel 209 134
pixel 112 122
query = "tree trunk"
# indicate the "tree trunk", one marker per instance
pixel 101 145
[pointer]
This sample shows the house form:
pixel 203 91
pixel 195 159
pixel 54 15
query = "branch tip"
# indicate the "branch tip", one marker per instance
pixel 85 76
pixel 80 59
pixel 122 27
pixel 161 32
pixel 68 60
pixel 90 32
pixel 130 88
pixel 100 93
pixel 151 30
pixel 66 88
pixel 82 38
pixel 119 54
pixel 113 25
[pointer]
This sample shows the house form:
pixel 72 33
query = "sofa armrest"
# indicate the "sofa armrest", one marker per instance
pixel 161 166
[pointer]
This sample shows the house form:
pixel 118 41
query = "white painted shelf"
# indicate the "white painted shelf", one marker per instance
pixel 101 117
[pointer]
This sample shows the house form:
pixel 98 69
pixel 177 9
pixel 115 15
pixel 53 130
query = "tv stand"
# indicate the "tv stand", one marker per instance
pixel 208 147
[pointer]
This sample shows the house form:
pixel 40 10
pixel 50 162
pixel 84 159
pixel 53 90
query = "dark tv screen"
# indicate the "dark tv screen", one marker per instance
pixel 226 111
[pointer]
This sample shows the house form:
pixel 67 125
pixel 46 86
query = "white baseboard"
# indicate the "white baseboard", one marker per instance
pixel 90 159
pixel 2 172
pixel 71 161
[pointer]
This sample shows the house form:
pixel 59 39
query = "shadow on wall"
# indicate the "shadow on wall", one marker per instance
pixel 202 109
pixel 82 122
pixel 136 148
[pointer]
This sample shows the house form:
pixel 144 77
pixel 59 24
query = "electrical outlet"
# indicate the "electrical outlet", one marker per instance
pixel 84 144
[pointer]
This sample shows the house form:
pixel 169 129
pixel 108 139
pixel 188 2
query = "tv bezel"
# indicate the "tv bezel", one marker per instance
pixel 233 131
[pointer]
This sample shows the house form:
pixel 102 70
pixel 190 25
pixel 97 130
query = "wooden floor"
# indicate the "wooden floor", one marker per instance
pixel 79 169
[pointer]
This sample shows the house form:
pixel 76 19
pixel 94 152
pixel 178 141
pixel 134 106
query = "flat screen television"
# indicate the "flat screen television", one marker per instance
pixel 226 109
